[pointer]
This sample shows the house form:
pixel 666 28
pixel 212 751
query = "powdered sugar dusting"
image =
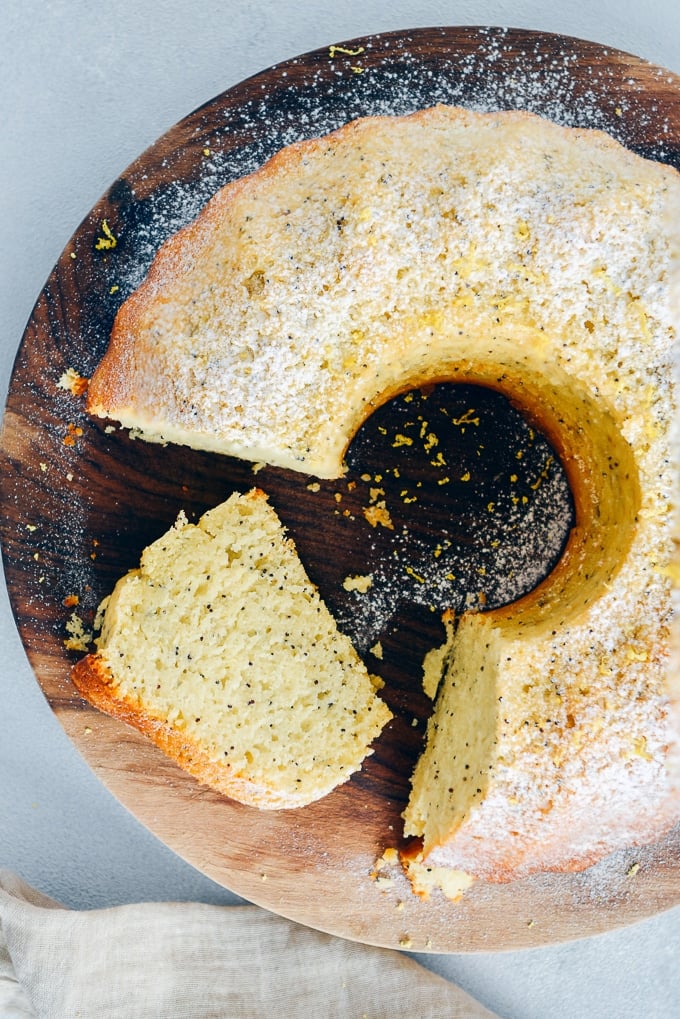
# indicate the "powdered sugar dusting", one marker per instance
pixel 397 81
pixel 379 260
pixel 508 507
pixel 388 77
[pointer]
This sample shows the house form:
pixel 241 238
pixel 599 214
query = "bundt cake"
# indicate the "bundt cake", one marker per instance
pixel 498 249
pixel 221 651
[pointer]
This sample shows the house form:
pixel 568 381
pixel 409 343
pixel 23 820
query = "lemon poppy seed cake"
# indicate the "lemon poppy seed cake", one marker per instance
pixel 498 249
pixel 222 652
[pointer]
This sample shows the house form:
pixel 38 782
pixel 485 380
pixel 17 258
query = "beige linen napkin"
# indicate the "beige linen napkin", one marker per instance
pixel 195 961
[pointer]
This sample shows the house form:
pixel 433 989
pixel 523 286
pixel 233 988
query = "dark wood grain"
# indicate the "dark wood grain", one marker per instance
pixel 79 502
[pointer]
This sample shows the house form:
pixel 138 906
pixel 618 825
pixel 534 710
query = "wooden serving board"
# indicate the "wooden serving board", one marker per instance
pixel 80 501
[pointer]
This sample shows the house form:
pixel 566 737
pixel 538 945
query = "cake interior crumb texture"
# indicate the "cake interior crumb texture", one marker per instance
pixel 495 249
pixel 220 644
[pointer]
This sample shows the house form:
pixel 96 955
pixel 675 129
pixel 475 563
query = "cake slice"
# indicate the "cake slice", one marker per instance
pixel 493 249
pixel 543 755
pixel 221 651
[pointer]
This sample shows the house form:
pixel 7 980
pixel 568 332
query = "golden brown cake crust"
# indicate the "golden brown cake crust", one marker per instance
pixel 535 259
pixel 94 681
pixel 130 361
pixel 220 650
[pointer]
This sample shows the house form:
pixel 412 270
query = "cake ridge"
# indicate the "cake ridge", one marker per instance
pixel 494 248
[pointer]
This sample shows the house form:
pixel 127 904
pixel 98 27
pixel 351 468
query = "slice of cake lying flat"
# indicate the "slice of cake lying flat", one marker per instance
pixel 500 250
pixel 220 649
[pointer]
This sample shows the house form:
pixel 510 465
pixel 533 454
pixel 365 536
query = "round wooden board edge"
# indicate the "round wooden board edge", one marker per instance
pixel 121 790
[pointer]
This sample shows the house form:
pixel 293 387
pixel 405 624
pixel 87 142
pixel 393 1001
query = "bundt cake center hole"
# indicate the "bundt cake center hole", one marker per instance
pixel 469 505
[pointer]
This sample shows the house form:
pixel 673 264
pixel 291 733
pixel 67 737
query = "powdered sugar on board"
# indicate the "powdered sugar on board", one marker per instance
pixel 380 76
pixel 388 76
pixel 509 508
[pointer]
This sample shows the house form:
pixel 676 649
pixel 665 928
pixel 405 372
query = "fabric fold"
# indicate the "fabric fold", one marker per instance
pixel 197 961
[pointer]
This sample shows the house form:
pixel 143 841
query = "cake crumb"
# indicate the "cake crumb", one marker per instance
pixel 358 583
pixel 73 432
pixel 389 858
pixel 378 514
pixel 79 638
pixel 425 879
pixel 73 382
